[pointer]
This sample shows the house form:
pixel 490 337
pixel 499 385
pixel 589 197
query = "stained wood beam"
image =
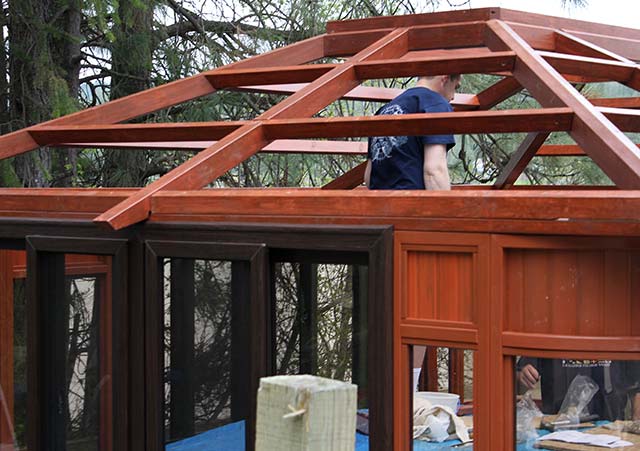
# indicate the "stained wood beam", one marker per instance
pixel 626 120
pixel 247 140
pixel 520 159
pixel 591 67
pixel 560 150
pixel 502 121
pixel 496 121
pixel 350 179
pixel 619 102
pixel 277 146
pixel 618 157
pixel 498 92
pixel 542 37
pixel 473 204
pixel 413 20
pixel 364 93
pixel 568 43
pixel 424 65
pixel 492 62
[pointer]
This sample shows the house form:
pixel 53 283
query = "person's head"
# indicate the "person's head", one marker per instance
pixel 445 85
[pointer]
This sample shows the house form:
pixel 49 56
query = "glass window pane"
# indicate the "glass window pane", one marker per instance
pixel 442 397
pixel 198 343
pixel 588 395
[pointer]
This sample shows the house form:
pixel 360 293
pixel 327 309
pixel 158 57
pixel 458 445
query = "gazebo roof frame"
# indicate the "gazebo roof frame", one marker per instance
pixel 539 53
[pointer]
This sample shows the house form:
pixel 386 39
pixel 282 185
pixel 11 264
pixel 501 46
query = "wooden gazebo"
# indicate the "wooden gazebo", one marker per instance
pixel 503 270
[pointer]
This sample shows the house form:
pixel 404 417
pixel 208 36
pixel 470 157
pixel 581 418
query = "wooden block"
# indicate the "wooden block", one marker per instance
pixel 305 413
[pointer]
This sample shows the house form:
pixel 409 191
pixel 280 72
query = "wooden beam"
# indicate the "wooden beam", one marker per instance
pixel 560 150
pixel 247 140
pixel 498 92
pixel 423 65
pixel 520 159
pixel 350 179
pixel 618 157
pixel 502 121
pixel 278 146
pixel 364 93
pixel 232 78
pixel 625 120
pixel 568 43
pixel 147 132
pixel 543 38
pixel 573 25
pixel 557 206
pixel 619 102
pixel 590 67
pixel 413 20
pixel 495 121
pixel 492 62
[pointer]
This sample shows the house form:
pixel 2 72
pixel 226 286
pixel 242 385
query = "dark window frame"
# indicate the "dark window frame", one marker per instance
pixel 45 273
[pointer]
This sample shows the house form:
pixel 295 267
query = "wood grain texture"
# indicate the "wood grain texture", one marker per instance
pixel 471 15
pixel 568 43
pixel 611 150
pixel 350 179
pixel 520 159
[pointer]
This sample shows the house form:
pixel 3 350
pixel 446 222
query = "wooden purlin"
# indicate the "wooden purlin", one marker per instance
pixel 568 43
pixel 520 159
pixel 498 92
pixel 616 155
pixel 248 140
pixel 593 67
pixel 494 121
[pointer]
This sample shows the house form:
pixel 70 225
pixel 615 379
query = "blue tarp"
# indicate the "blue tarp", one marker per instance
pixel 231 438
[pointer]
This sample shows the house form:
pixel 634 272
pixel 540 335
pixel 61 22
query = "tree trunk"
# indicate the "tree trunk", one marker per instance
pixel 38 86
pixel 131 54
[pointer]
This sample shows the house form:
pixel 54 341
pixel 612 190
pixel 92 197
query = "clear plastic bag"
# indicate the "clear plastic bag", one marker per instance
pixel 526 413
pixel 576 402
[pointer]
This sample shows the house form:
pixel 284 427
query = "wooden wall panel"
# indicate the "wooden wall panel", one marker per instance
pixel 583 292
pixel 439 284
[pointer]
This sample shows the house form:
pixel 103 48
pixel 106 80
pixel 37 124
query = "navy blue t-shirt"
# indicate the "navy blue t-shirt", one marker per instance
pixel 397 161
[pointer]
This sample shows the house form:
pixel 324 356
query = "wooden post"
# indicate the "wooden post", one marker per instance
pixel 305 413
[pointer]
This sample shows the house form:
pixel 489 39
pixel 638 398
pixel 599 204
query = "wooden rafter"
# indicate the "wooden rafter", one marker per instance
pixel 520 159
pixel 350 179
pixel 618 157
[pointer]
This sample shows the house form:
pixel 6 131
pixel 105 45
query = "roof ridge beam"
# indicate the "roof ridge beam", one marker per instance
pixel 616 155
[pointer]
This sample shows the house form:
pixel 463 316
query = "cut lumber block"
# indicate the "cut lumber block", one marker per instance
pixel 305 413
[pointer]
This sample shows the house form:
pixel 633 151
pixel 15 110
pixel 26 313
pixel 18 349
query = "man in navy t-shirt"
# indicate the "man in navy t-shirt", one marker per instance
pixel 414 162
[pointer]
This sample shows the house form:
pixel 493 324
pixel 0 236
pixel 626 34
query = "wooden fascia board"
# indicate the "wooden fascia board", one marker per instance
pixel 248 140
pixel 470 15
pixel 512 204
pixel 616 155
pixel 494 121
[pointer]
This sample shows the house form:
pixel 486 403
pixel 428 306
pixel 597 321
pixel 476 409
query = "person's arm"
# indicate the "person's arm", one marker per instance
pixel 635 407
pixel 436 172
pixel 367 174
